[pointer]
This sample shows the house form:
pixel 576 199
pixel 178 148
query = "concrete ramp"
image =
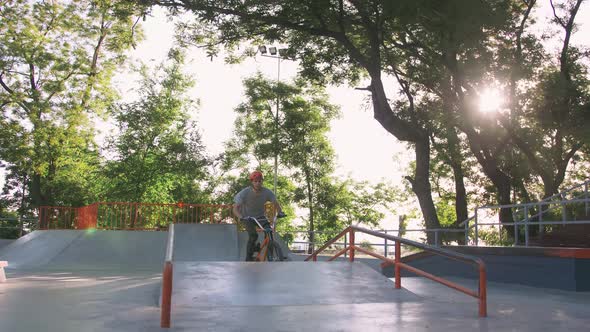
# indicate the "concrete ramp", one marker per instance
pixel 205 242
pixel 87 250
pixel 38 248
pixel 113 250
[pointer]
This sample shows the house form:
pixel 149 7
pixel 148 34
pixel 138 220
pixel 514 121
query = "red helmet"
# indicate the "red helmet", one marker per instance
pixel 256 175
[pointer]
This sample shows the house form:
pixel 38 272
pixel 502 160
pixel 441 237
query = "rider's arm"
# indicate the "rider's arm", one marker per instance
pixel 236 210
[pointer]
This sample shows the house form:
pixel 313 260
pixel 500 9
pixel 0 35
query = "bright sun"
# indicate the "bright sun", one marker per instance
pixel 490 100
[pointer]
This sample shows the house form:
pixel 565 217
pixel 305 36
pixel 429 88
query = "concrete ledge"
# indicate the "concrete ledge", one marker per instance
pixel 557 268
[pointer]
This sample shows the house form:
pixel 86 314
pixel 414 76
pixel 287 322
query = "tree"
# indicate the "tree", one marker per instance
pixel 306 155
pixel 335 41
pixel 449 50
pixel 159 154
pixel 557 109
pixel 56 62
pixel 298 134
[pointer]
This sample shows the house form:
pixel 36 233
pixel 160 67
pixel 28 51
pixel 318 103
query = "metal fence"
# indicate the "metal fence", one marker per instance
pixel 132 216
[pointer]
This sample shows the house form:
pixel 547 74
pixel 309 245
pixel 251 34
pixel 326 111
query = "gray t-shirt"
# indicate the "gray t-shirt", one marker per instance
pixel 252 203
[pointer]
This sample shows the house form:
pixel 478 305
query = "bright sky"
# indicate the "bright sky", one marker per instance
pixel 364 149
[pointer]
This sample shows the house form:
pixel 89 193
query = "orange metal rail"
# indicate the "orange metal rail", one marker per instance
pixel 167 276
pixel 132 216
pixel 480 294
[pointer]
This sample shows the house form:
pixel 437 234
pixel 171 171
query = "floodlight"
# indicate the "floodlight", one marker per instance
pixel 262 49
pixel 272 50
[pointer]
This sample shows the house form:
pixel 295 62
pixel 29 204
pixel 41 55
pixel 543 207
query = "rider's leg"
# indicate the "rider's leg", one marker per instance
pixel 252 237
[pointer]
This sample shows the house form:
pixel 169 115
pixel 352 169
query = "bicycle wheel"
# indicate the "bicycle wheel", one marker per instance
pixel 275 253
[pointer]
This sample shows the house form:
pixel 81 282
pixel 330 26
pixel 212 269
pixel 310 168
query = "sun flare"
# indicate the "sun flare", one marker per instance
pixel 490 100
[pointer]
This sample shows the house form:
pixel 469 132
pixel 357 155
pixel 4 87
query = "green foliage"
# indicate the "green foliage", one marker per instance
pixel 56 64
pixel 446 212
pixel 366 245
pixel 492 237
pixel 160 157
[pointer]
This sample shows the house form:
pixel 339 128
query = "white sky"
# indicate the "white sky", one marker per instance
pixel 364 149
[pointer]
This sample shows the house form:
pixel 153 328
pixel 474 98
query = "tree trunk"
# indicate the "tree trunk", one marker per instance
pixel 460 200
pixel 421 187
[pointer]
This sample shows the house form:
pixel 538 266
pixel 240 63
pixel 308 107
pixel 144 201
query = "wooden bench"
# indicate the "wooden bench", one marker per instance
pixel 3 264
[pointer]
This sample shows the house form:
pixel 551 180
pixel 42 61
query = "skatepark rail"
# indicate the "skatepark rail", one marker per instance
pixel 167 281
pixel 481 294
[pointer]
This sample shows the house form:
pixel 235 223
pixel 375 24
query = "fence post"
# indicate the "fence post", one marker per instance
pixel 345 245
pixel 20 226
pixel 586 198
pixel 476 233
pixel 563 210
pixel 541 228
pixel 351 258
pixel 526 226
pixel 385 250
pixel 397 269
pixel 436 238
pixel 467 232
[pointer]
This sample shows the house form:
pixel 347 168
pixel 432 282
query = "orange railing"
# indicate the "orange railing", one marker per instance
pixel 167 276
pixel 480 294
pixel 57 217
pixel 132 216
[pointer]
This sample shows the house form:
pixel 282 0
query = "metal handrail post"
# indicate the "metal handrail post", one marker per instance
pixel 351 258
pixel 526 226
pixel 540 218
pixel 563 211
pixel 345 245
pixel 167 281
pixel 586 197
pixel 436 244
pixel 476 231
pixel 385 250
pixel 483 310
pixel 467 232
pixel 397 268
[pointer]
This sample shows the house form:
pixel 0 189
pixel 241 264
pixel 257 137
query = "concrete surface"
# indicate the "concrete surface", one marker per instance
pixel 223 284
pixel 128 302
pixel 250 296
pixel 5 242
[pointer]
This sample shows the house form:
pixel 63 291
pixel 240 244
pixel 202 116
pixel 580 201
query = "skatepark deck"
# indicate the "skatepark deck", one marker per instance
pixel 97 281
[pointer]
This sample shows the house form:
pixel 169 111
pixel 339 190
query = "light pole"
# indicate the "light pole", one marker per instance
pixel 275 54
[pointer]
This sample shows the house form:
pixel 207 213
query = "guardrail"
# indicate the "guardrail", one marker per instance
pixel 480 294
pixel 167 276
pixel 528 221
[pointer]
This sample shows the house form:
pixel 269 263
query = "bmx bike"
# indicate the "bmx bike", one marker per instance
pixel 269 250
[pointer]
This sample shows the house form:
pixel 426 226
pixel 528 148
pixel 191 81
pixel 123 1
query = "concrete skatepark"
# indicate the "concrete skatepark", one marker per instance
pixel 102 280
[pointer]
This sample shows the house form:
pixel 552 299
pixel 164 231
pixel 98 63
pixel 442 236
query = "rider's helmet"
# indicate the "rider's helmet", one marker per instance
pixel 256 175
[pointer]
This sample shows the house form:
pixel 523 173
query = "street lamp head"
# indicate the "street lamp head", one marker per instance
pixel 262 49
pixel 272 50
pixel 282 52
